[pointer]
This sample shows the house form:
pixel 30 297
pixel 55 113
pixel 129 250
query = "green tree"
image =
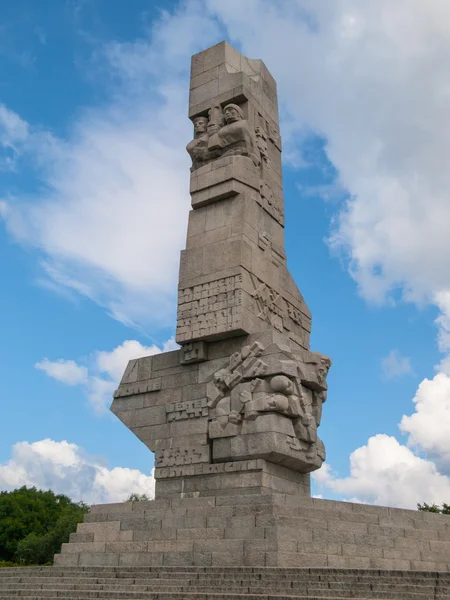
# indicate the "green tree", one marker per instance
pixel 434 508
pixel 34 523
pixel 138 498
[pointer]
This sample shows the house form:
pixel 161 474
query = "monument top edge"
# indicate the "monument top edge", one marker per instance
pixel 224 53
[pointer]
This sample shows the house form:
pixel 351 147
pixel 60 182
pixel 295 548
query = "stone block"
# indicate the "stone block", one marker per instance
pixel 194 533
pixel 294 559
pixel 119 507
pixel 410 553
pixel 87 547
pixel 202 559
pixel 366 551
pixel 142 535
pixel 227 559
pixel 219 545
pixel 389 564
pixel 348 562
pixel 155 415
pixel 141 559
pixel 178 559
pixel 130 546
pixel 98 559
pixel 162 397
pixel 323 535
pixel 423 565
pixel 66 560
pixel 244 533
pixel 347 527
pixel 204 77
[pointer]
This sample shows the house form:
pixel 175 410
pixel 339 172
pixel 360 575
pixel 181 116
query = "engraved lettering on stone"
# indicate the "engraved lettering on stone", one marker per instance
pixel 181 456
pixel 138 388
pixel 182 411
pixel 209 469
pixel 266 244
pixel 209 308
pixel 193 352
pixel 266 201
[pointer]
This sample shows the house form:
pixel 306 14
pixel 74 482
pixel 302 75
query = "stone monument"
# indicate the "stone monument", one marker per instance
pixel 233 415
pixel 239 405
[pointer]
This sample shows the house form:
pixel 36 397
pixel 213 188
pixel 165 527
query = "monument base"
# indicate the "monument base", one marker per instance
pixel 230 478
pixel 269 529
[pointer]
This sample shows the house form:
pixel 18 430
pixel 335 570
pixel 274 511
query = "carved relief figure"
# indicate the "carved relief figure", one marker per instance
pixel 198 147
pixel 223 133
pixel 288 386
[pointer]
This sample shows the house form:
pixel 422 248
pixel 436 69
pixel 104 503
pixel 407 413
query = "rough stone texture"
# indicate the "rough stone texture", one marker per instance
pixel 205 581
pixel 259 529
pixel 244 386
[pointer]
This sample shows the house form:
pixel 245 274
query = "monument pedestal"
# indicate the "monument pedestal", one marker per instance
pixel 260 530
pixel 229 479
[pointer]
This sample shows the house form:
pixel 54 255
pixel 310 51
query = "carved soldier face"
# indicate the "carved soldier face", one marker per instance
pixel 200 126
pixel 232 113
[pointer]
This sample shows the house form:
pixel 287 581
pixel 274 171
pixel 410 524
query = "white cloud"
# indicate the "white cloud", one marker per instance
pixel 429 426
pixel 113 363
pixel 111 213
pixel 388 473
pixel 66 371
pixel 66 469
pixel 104 371
pixel 13 134
pixel 395 365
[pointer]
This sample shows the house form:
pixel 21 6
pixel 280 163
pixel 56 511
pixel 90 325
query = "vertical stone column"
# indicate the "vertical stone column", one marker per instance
pixel 236 409
pixel 233 276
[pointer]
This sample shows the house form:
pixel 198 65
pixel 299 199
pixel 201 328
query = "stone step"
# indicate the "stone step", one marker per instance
pixel 369 591
pixel 195 596
pixel 219 572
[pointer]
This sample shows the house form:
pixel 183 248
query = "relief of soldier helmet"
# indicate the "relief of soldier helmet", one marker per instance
pixel 200 126
pixel 233 113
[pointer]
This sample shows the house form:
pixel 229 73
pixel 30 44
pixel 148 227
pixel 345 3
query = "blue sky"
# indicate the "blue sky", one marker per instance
pixel 93 211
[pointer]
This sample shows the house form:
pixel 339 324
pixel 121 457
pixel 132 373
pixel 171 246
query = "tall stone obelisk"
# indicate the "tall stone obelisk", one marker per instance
pixel 236 409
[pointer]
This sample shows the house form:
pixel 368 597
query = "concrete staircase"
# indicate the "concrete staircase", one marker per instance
pixel 220 583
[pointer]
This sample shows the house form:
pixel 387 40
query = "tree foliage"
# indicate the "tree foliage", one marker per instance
pixel 138 498
pixel 434 508
pixel 34 523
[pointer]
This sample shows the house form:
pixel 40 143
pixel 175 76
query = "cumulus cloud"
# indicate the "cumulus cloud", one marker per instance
pixel 67 469
pixel 103 372
pixel 429 426
pixel 66 371
pixel 388 473
pixel 395 365
pixel 111 213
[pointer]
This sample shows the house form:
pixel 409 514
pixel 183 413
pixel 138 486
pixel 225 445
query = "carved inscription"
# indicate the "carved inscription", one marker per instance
pixel 271 130
pixel 141 387
pixel 275 309
pixel 266 244
pixel 266 200
pixel 210 469
pixel 194 352
pixel 172 457
pixel 209 308
pixel 192 409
